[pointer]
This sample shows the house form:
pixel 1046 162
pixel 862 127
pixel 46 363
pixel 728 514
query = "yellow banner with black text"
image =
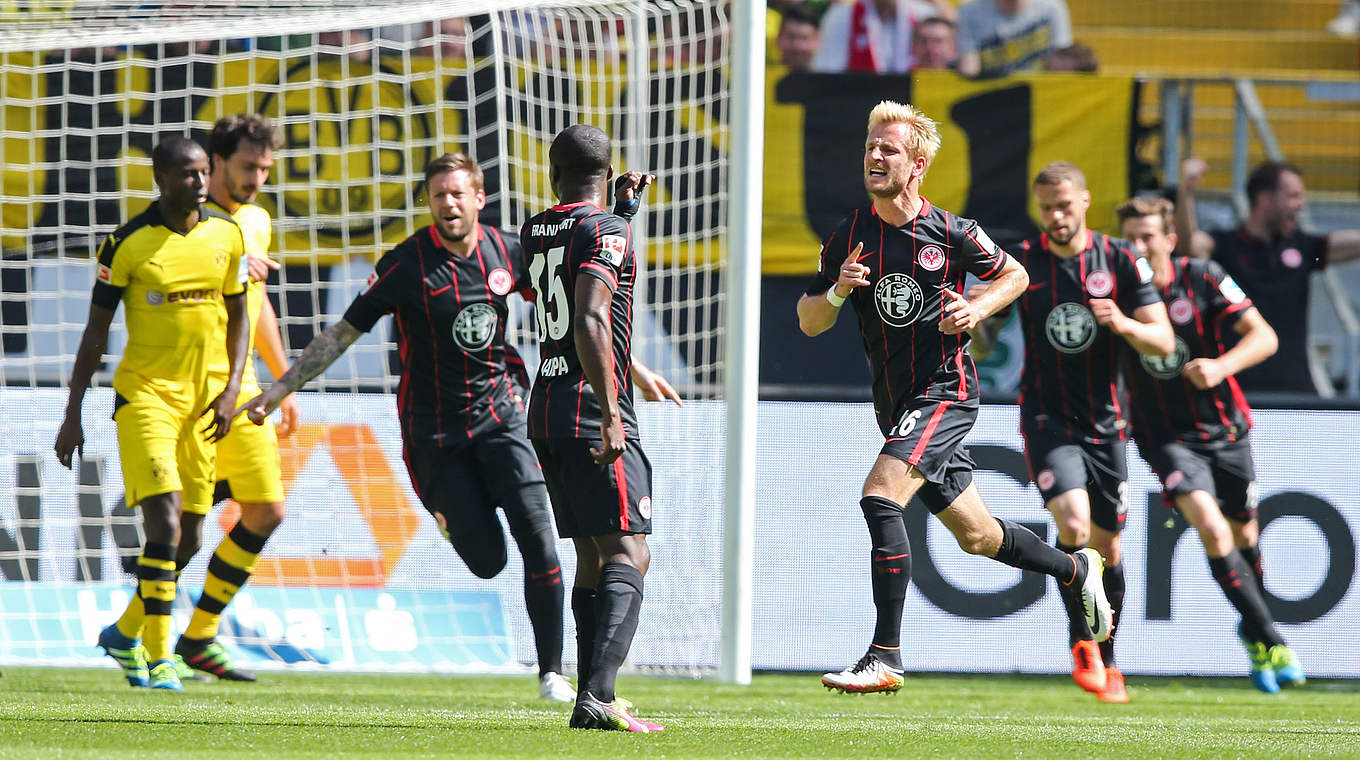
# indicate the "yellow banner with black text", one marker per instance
pixel 996 135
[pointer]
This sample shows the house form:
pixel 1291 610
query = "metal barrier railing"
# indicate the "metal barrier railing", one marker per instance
pixel 1249 115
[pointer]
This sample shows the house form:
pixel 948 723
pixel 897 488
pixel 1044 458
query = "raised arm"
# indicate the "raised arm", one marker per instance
pixel 1190 240
pixel 818 312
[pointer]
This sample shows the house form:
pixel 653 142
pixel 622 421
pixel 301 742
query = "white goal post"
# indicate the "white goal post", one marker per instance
pixel 365 94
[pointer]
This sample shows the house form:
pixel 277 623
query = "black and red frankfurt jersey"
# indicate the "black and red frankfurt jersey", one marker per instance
pixel 1276 276
pixel 901 308
pixel 561 245
pixel 1204 303
pixel 450 317
pixel 1068 384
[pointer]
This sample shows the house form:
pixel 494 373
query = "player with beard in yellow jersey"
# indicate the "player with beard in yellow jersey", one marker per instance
pixel 173 266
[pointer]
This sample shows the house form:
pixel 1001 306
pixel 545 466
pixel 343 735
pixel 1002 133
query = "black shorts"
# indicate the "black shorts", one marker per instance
pixel 590 499
pixel 929 436
pixel 1059 464
pixel 1225 470
pixel 466 483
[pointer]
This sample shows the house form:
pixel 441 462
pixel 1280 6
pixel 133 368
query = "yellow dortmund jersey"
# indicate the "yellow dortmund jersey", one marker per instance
pixel 255 227
pixel 172 287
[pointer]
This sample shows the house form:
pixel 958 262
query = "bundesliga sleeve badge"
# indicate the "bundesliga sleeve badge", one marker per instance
pixel 613 248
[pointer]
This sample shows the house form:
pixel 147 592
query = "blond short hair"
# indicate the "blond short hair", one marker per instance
pixel 923 135
pixel 1059 172
pixel 1137 208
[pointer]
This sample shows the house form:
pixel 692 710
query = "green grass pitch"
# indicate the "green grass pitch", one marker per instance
pixel 52 713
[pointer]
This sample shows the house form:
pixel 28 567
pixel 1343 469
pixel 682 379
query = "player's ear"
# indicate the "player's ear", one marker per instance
pixel 481 199
pixel 610 175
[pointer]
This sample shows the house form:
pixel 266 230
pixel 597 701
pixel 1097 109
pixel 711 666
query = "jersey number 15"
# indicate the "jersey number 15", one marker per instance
pixel 550 302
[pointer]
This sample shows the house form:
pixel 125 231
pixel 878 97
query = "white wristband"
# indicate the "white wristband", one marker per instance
pixel 835 300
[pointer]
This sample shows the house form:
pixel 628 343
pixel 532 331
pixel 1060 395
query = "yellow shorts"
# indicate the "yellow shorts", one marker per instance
pixel 248 460
pixel 161 448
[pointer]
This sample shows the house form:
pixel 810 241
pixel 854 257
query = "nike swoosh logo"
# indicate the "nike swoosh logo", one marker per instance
pixel 1033 288
pixel 441 290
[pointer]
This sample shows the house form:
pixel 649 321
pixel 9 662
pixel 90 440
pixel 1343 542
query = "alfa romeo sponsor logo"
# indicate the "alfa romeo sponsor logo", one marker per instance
pixel 474 326
pixel 1167 367
pixel 1099 283
pixel 500 281
pixel 931 258
pixel 1070 327
pixel 898 299
pixel 1181 311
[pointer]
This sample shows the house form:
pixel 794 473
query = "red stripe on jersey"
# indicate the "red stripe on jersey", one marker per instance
pixel 1218 402
pixel 490 350
pixel 434 345
pixel 382 277
pixel 621 478
pixel 580 394
pixel 1062 384
pixel 410 471
pixel 1086 355
pixel 1240 402
pixel 609 277
pixel 963 376
pixel 935 418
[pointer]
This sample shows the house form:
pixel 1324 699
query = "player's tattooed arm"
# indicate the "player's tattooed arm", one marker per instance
pixel 316 357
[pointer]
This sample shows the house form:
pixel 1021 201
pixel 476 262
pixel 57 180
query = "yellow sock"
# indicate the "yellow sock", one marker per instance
pixel 130 624
pixel 228 571
pixel 156 579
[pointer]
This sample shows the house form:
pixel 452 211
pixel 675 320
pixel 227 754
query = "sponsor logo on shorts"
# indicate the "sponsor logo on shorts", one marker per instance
pixel 1099 283
pixel 500 281
pixel 898 299
pixel 931 258
pixel 1070 327
pixel 645 507
pixel 1174 479
pixel 1167 367
pixel 1045 480
pixel 475 326
pixel 1291 257
pixel 1181 311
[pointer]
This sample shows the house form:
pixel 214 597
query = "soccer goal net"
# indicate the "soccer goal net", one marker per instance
pixel 365 95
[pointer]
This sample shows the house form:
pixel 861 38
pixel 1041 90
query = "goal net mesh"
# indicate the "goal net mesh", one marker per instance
pixel 365 95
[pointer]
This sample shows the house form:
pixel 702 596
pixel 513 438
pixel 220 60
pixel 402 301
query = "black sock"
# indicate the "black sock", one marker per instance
pixel 1021 548
pixel 543 599
pixel 1252 555
pixel 889 573
pixel 617 603
pixel 1234 576
pixel 583 612
pixel 1077 627
pixel 1114 589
